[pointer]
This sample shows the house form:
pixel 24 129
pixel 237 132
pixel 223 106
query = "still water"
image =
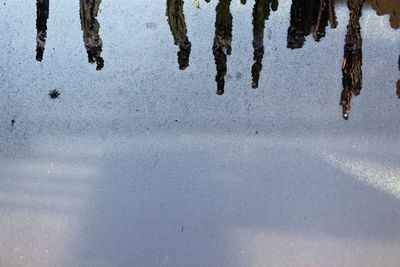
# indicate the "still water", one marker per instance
pixel 199 133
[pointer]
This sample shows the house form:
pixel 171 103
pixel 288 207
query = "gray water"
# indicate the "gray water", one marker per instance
pixel 147 157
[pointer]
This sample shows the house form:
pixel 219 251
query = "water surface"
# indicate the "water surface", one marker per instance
pixel 185 133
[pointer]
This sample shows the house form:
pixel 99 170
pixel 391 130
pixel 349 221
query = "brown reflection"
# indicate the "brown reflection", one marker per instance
pixel 261 12
pixel 388 7
pixel 90 26
pixel 309 16
pixel 222 42
pixel 177 24
pixel 352 61
pixel 42 14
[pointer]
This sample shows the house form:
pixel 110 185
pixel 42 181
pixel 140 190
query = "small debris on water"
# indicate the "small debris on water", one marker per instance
pixel 151 25
pixel 53 94
pixel 197 4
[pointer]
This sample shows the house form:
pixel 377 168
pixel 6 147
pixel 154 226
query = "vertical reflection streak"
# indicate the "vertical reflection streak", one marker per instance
pixel 321 22
pixel 42 14
pixel 261 12
pixel 309 16
pixel 222 42
pixel 90 26
pixel 177 24
pixel 300 22
pixel 398 82
pixel 332 14
pixel 352 61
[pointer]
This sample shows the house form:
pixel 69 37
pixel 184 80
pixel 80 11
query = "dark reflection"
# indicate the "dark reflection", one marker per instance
pixel 222 42
pixel 90 26
pixel 177 24
pixel 42 14
pixel 309 16
pixel 261 12
pixel 398 82
pixel 352 61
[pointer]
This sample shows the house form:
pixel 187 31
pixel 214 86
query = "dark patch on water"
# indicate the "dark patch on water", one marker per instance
pixel 53 94
pixel 310 17
pixel 398 88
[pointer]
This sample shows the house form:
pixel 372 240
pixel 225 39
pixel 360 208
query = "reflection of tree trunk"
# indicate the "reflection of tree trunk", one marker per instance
pixel 352 61
pixel 222 41
pixel 90 27
pixel 398 82
pixel 177 24
pixel 310 16
pixel 326 12
pixel 261 12
pixel 42 14
pixel 300 22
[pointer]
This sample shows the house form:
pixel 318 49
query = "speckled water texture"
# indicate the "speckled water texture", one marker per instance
pixel 194 134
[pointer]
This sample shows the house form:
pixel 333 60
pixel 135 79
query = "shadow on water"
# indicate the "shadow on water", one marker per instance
pixel 173 199
pixel 185 207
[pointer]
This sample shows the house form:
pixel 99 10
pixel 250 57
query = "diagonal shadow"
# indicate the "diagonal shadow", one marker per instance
pixel 173 204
